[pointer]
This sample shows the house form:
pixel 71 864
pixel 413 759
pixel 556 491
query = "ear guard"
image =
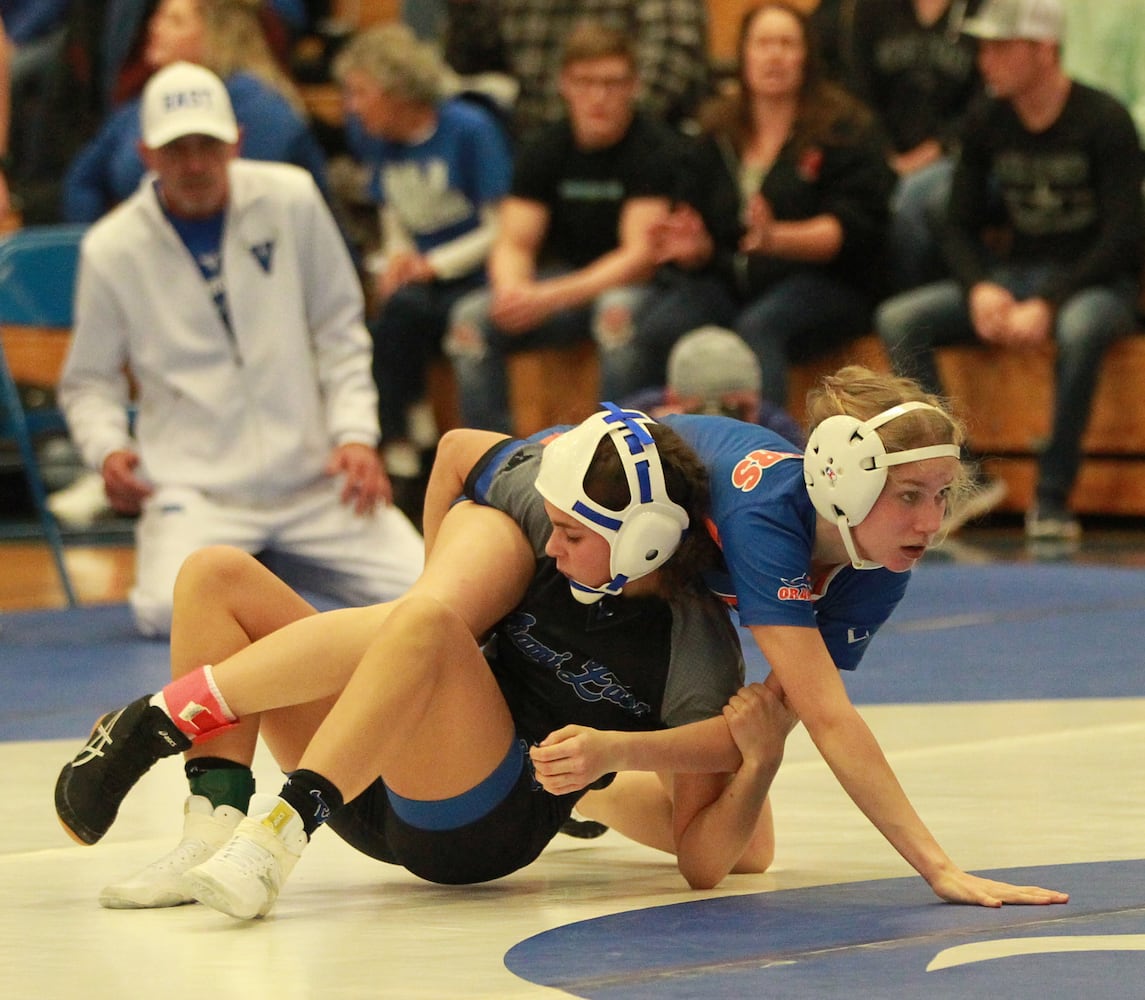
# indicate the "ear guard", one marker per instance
pixel 646 533
pixel 845 468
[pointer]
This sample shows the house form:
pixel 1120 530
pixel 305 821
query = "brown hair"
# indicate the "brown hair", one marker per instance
pixel 686 480
pixel 590 39
pixel 827 112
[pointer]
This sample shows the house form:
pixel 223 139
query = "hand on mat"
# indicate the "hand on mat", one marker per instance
pixel 957 886
pixel 570 758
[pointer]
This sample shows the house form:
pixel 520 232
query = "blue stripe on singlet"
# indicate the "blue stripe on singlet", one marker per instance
pixel 468 807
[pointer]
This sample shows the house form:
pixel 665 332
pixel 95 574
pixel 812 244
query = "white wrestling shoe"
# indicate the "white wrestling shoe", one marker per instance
pixel 244 876
pixel 159 884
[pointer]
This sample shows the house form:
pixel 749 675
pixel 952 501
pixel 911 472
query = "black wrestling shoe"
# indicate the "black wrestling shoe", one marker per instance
pixel 121 749
pixel 583 829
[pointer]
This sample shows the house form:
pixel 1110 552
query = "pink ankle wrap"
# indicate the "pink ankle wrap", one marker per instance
pixel 196 706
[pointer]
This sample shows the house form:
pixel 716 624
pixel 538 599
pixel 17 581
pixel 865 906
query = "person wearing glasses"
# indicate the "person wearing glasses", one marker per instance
pixel 573 256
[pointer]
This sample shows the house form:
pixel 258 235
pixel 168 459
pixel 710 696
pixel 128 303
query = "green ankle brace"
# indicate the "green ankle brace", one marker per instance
pixel 224 786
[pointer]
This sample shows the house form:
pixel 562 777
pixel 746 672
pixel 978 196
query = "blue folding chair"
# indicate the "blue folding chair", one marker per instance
pixel 37 283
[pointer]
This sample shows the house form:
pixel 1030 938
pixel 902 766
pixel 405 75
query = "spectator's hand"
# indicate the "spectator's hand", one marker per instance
pixel 1030 323
pixel 682 239
pixel 125 490
pixel 365 481
pixel 571 758
pixel 520 308
pixel 923 155
pixel 758 226
pixel 403 269
pixel 990 306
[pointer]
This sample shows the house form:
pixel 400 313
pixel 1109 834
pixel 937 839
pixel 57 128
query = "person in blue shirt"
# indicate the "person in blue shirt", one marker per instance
pixel 33 33
pixel 228 38
pixel 817 552
pixel 439 165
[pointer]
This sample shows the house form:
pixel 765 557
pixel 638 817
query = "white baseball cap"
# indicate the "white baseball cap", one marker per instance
pixel 186 99
pixel 1031 20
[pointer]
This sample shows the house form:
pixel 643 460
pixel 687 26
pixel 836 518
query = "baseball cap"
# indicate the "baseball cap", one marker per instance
pixel 1032 20
pixel 711 361
pixel 186 99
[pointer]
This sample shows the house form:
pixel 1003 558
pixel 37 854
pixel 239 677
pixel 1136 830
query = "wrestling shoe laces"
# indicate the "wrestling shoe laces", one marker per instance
pixel 205 830
pixel 244 876
pixel 121 749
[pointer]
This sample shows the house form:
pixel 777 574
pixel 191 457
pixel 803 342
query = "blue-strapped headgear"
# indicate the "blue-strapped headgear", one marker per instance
pixel 641 537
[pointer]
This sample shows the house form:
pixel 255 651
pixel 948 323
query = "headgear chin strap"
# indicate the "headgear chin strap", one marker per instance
pixel 645 534
pixel 845 468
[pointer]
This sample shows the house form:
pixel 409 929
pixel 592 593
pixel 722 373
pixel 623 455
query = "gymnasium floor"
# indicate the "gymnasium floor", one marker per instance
pixel 1008 694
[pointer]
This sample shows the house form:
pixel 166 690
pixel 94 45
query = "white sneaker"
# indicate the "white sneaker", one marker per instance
pixel 82 503
pixel 1052 526
pixel 244 876
pixel 422 426
pixel 159 884
pixel 401 459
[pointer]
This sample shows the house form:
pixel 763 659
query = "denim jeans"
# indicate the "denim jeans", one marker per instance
pixel 407 335
pixel 798 317
pixel 917 208
pixel 913 324
pixel 477 349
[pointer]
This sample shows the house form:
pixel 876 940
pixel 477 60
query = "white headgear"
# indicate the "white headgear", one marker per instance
pixel 641 537
pixel 845 468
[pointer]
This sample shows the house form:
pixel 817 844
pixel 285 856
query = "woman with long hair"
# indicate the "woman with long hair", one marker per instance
pixel 780 225
pixel 227 37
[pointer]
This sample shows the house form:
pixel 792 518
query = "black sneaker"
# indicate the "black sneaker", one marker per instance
pixel 121 749
pixel 583 829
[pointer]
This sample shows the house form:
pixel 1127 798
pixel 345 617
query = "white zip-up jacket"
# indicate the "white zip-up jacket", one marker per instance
pixel 250 418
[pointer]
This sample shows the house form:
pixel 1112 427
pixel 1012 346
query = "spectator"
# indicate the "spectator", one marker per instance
pixel 781 228
pixel 35 32
pixel 713 371
pixel 5 119
pixel 225 288
pixel 525 38
pixel 832 20
pixel 912 66
pixel 425 17
pixel 438 175
pixel 1065 161
pixel 227 37
pixel 124 42
pixel 573 255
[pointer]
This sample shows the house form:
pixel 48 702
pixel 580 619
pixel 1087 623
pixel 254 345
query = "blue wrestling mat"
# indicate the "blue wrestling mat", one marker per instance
pixel 1005 632
pixel 891 939
pixel 963 633
pixel 59 669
